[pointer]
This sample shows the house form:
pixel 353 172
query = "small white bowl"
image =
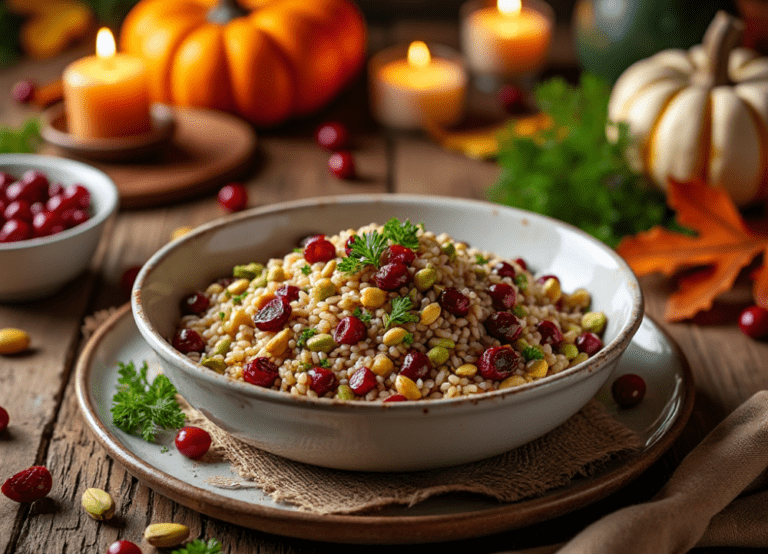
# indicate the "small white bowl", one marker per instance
pixel 375 436
pixel 36 268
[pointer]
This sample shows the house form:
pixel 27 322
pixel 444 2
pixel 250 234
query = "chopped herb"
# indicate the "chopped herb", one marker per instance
pixel 304 336
pixel 144 407
pixel 23 140
pixel 298 250
pixel 519 311
pixel 408 339
pixel 305 366
pixel 164 449
pixel 325 362
pixel 532 353
pixel 306 270
pixel 222 315
pixel 480 260
pixel 364 252
pixel 197 546
pixel 363 315
pixel 239 298
pixel 399 313
pixel 521 280
pixel 404 233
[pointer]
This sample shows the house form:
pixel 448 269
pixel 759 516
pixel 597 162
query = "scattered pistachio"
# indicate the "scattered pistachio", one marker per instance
pixel 277 344
pixel 322 342
pixel 537 368
pixel 580 299
pixel 98 504
pixel 480 273
pixel 238 287
pixel 276 273
pixel 466 370
pixel 569 351
pixel 382 365
pixel 373 297
pixel 323 289
pixel 213 289
pixel 594 322
pixel 344 392
pixel 13 341
pixel 260 281
pixel 570 336
pixel 430 313
pixel 248 271
pixel 329 268
pixel 222 347
pixel 236 319
pixel 512 381
pixel 216 364
pixel 449 250
pixel 581 357
pixel 425 278
pixel 166 535
pixel 407 387
pixel 438 355
pixel 394 336
pixel 445 343
pixel 552 290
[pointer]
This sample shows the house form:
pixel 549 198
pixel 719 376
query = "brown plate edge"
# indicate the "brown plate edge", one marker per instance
pixel 376 529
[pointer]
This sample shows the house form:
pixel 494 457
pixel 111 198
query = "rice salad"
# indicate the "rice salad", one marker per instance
pixel 388 313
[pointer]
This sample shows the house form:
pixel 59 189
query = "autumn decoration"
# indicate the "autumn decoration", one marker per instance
pixel 51 25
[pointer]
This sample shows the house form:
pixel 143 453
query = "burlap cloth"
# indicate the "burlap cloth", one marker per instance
pixel 580 447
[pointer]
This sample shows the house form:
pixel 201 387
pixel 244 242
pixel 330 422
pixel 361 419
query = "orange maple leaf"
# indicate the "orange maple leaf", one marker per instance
pixel 723 247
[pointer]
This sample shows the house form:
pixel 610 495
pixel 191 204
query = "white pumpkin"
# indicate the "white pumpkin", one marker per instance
pixel 700 113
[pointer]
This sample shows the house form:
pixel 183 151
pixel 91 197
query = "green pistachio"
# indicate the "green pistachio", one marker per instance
pixel 249 271
pixel 322 342
pixel 438 355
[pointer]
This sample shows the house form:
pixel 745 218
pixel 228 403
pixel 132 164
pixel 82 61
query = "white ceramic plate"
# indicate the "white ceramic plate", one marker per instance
pixel 658 420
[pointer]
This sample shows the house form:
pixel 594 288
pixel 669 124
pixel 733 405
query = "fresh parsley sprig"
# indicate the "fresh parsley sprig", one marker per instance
pixel 365 250
pixel 304 336
pixel 144 407
pixel 532 353
pixel 362 314
pixel 403 233
pixel 197 546
pixel 400 312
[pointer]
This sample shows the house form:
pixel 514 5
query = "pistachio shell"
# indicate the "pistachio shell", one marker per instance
pixel 166 535
pixel 98 504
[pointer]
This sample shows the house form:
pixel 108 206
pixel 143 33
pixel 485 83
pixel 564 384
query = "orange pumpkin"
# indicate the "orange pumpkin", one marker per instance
pixel 267 60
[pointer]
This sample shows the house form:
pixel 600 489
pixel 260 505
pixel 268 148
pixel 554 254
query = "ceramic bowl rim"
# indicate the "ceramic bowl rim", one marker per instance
pixel 162 347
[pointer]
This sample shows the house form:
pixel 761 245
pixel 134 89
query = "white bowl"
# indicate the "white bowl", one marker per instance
pixel 36 268
pixel 379 436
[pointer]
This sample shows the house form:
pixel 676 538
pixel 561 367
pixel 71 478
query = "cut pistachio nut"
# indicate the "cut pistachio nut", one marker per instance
pixel 594 322
pixel 98 504
pixel 449 249
pixel 423 279
pixel 345 392
pixel 322 342
pixel 438 355
pixel 249 271
pixel 216 364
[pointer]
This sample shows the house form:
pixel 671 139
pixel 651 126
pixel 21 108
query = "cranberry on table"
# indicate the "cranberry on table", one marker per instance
pixel 350 330
pixel 29 485
pixel 503 269
pixel 319 249
pixel 123 546
pixel 498 362
pixel 261 372
pixel 391 277
pixel 416 365
pixel 454 302
pixel 753 322
pixel 289 292
pixel 332 136
pixel 512 99
pixel 322 380
pixel 23 91
pixel 233 197
pixel 4 419
pixel 397 253
pixel 588 343
pixel 550 334
pixel 503 326
pixel 128 277
pixel 273 315
pixel 187 340
pixel 342 164
pixel 195 303
pixel 193 442
pixel 362 381
pixel 502 295
pixel 628 390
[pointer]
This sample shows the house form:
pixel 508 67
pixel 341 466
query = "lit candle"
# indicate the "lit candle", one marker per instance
pixel 506 40
pixel 408 91
pixel 106 95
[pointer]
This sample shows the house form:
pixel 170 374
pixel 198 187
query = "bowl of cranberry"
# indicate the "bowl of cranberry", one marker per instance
pixel 52 214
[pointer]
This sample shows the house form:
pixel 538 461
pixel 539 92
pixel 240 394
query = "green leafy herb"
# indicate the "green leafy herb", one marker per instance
pixel 404 234
pixel 572 172
pixel 306 270
pixel 197 546
pixel 144 407
pixel 325 362
pixel 364 252
pixel 480 260
pixel 237 299
pixel 408 339
pixel 519 311
pixel 521 280
pixel 399 313
pixel 24 140
pixel 222 315
pixel 363 315
pixel 298 250
pixel 164 449
pixel 304 336
pixel 532 353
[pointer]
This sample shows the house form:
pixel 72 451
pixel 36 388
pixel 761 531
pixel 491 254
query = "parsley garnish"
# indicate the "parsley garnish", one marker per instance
pixel 399 313
pixel 141 406
pixel 23 140
pixel 521 280
pixel 480 260
pixel 325 362
pixel 164 449
pixel 363 252
pixel 408 339
pixel 363 315
pixel 197 546
pixel 304 336
pixel 532 353
pixel 239 298
pixel 519 311
pixel 306 270
pixel 222 315
pixel 404 233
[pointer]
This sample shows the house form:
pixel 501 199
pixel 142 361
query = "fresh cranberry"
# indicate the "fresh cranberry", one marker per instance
pixel 348 245
pixel 289 292
pixel 544 278
pixel 550 334
pixel 350 330
pixel 31 192
pixel 233 197
pixel 454 301
pixel 75 218
pixel 29 485
pixel 123 546
pixel 273 315
pixel 628 390
pixel 397 253
pixel 5 180
pixel 187 340
pixel 59 204
pixel 589 343
pixel 512 99
pixel 127 279
pixel 35 183
pixel 24 91
pixel 45 223
pixel 342 164
pixel 498 362
pixel 391 277
pixel 15 230
pixel 193 442
pixel 395 398
pixel 18 209
pixel 4 419
pixel 503 269
pixel 322 380
pixel 319 249
pixel 416 365
pixel 79 194
pixel 36 208
pixel 502 296
pixel 503 326
pixel 362 381
pixel 55 189
pixel 261 372
pixel 753 322
pixel 521 263
pixel 332 136
pixel 195 303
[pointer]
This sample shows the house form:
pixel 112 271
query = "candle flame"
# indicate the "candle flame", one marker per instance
pixel 105 43
pixel 509 7
pixel 418 54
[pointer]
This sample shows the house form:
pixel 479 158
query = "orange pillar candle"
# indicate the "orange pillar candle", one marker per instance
pixel 410 89
pixel 106 95
pixel 508 39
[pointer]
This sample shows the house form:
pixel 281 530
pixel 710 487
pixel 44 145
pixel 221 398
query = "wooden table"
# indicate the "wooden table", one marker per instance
pixel 37 387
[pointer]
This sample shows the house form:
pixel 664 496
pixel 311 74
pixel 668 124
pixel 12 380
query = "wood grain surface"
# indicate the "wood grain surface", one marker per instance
pixel 37 389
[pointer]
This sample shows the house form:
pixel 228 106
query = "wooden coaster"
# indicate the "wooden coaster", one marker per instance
pixel 207 148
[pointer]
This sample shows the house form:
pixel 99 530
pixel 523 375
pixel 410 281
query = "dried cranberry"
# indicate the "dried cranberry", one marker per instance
pixel 55 189
pixel 193 442
pixel 753 322
pixel 589 343
pixel 348 245
pixel 79 194
pixel 123 546
pixel 29 485
pixel 261 372
pixel 521 263
pixel 195 303
pixel 34 186
pixel 15 230
pixel 628 390
pixel 73 218
pixel 550 334
pixel 36 208
pixel 4 419
pixel 544 278
pixel 289 292
pixel 24 91
pixel 187 340
pixel 391 277
pixel 273 315
pixel 362 381
pixel 342 164
pixel 397 253
pixel 395 398
pixel 319 249
pixel 454 302
pixel 350 330
pixel 322 380
pixel 45 223
pixel 498 362
pixel 503 269
pixel 502 296
pixel 416 365
pixel 512 99
pixel 332 136
pixel 59 204
pixel 233 197
pixel 127 279
pixel 503 326
pixel 18 209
